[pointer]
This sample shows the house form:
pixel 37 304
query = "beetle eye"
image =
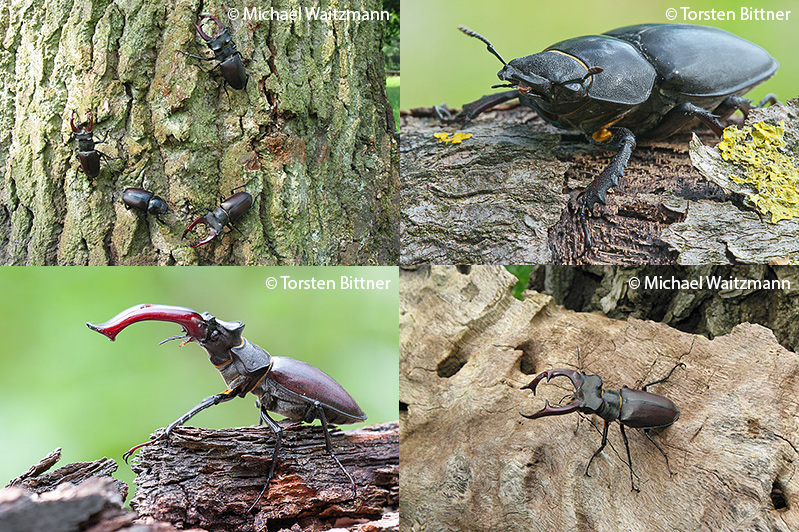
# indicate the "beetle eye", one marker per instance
pixel 214 334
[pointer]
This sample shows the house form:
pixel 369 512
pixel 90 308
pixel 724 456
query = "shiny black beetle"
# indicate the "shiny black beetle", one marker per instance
pixel 88 156
pixel 647 81
pixel 228 212
pixel 144 200
pixel 289 387
pixel 229 59
pixel 638 409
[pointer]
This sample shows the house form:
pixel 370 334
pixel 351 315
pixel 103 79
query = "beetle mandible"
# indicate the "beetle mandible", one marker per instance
pixel 144 200
pixel 230 210
pixel 638 409
pixel 648 81
pixel 225 52
pixel 286 386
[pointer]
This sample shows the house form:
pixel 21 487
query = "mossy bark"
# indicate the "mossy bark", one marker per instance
pixel 312 135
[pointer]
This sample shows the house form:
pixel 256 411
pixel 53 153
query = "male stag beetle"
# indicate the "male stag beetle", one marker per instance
pixel 225 52
pixel 638 409
pixel 228 212
pixel 144 200
pixel 89 157
pixel 647 81
pixel 289 387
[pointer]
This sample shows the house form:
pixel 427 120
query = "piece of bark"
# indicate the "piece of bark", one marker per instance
pixel 38 481
pixel 210 478
pixel 508 195
pixel 725 233
pixel 472 462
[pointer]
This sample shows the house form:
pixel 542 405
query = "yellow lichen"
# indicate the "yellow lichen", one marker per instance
pixel 456 138
pixel 769 171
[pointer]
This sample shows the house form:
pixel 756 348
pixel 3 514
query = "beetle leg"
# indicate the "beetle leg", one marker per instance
pixel 646 433
pixel 604 443
pixel 471 110
pixel 664 379
pixel 597 190
pixel 629 460
pixel 212 400
pixel 329 445
pixel 264 417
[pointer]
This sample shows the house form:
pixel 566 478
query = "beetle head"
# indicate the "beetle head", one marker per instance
pixel 557 81
pixel 220 338
pixel 587 395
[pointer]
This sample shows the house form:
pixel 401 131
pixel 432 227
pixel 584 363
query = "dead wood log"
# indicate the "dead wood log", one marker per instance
pixel 508 195
pixel 471 462
pixel 79 497
pixel 209 478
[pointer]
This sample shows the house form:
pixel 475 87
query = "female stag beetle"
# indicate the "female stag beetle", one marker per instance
pixel 225 52
pixel 88 156
pixel 647 81
pixel 289 387
pixel 229 211
pixel 144 200
pixel 638 409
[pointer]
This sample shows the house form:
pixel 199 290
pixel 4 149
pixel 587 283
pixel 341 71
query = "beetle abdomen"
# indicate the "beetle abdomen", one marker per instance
pixel 700 60
pixel 311 384
pixel 644 410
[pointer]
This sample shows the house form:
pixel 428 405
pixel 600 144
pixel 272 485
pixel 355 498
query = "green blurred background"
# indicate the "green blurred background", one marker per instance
pixel 63 385
pixel 442 65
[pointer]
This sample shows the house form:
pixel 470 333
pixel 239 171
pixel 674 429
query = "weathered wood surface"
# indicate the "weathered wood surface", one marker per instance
pixel 38 480
pixel 508 195
pixel 723 233
pixel 471 462
pixel 707 311
pixel 209 478
pixel 79 497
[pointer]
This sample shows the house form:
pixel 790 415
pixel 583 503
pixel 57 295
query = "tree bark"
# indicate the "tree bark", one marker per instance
pixel 209 478
pixel 509 195
pixel 467 347
pixel 312 137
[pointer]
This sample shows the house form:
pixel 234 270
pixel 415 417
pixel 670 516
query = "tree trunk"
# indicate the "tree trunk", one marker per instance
pixel 509 195
pixel 467 347
pixel 312 137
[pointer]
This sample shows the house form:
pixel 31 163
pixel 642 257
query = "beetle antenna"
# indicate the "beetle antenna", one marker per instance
pixel 489 46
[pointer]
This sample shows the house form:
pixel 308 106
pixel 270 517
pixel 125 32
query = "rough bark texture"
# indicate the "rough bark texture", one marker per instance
pixel 210 478
pixel 79 497
pixel 709 312
pixel 508 195
pixel 471 462
pixel 312 135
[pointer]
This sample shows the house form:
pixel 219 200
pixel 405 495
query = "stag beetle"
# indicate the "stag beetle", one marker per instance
pixel 144 200
pixel 228 212
pixel 225 52
pixel 638 409
pixel 89 157
pixel 289 387
pixel 647 81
